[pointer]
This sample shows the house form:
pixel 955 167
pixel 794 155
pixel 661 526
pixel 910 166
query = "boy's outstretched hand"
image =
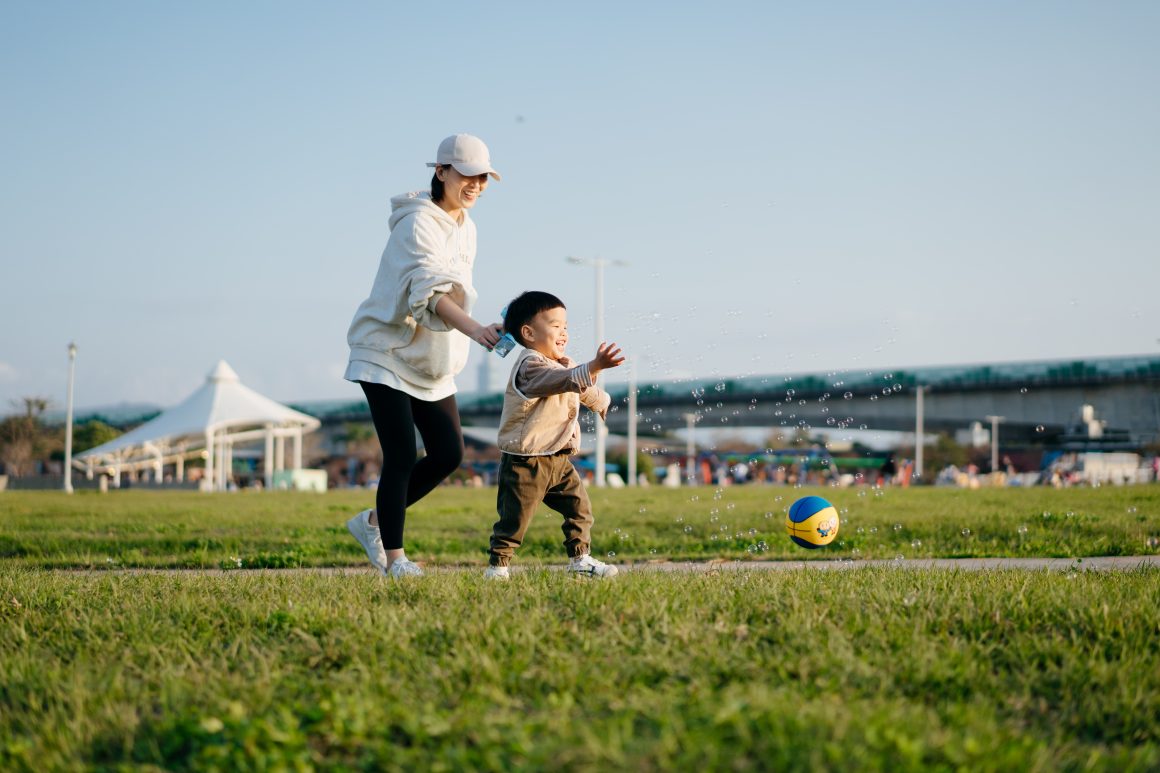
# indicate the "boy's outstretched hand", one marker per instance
pixel 607 356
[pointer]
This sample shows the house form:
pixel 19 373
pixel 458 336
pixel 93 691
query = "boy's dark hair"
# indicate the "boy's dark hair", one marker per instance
pixel 521 311
pixel 436 187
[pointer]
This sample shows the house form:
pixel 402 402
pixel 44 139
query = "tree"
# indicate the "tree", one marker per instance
pixel 945 451
pixel 644 465
pixel 362 450
pixel 23 438
pixel 360 439
pixel 91 434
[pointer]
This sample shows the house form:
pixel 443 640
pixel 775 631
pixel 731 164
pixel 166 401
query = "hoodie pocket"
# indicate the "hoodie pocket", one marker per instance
pixel 389 339
pixel 435 355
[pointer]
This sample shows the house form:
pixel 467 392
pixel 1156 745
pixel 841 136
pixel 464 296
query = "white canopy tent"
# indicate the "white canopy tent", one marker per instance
pixel 207 424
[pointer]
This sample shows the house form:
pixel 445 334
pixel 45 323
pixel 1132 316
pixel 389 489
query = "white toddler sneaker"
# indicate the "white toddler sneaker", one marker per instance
pixel 369 537
pixel 496 573
pixel 587 566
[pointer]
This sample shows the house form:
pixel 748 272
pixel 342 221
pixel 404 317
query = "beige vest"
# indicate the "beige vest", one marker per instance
pixel 537 426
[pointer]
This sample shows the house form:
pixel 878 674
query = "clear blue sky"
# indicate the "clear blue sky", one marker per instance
pixel 797 186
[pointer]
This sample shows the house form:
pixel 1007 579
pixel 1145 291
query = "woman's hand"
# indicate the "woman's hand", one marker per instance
pixel 487 335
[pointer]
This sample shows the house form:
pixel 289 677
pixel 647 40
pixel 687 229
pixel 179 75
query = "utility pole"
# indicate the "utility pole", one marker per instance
pixel 632 423
pixel 68 419
pixel 690 450
pixel 995 441
pixel 919 441
pixel 598 264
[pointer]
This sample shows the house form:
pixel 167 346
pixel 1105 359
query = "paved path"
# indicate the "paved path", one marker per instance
pixel 1099 563
pixel 1096 563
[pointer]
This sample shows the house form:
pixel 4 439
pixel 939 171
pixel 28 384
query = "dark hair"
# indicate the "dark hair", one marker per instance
pixel 436 187
pixel 521 311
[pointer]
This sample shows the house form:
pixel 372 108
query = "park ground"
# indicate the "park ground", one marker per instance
pixel 871 668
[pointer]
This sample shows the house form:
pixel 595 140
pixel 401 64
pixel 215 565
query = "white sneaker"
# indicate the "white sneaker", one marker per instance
pixel 405 567
pixel 496 573
pixel 369 537
pixel 587 566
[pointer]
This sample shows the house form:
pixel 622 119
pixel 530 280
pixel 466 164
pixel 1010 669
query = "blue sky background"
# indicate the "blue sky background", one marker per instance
pixel 797 187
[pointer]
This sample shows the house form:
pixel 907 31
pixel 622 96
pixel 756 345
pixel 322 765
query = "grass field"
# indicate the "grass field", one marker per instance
pixel 871 669
pixel 866 669
pixel 149 529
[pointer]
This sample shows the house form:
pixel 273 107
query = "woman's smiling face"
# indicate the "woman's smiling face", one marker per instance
pixel 459 192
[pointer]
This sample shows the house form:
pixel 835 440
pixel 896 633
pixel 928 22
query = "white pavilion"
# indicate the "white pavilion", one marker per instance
pixel 207 424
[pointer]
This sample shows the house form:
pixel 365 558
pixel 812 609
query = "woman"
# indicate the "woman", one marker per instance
pixel 411 337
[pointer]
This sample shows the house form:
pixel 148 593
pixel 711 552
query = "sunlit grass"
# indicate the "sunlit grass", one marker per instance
pixel 451 526
pixel 871 669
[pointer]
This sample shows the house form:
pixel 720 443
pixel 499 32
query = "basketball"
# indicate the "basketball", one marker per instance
pixel 812 522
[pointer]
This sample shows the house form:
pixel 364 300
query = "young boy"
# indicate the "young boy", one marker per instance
pixel 538 431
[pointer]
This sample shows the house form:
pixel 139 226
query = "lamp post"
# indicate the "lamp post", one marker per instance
pixel 68 419
pixel 632 424
pixel 919 440
pixel 995 441
pixel 599 264
pixel 690 449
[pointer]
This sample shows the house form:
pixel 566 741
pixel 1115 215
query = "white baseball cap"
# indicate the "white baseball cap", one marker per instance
pixel 467 154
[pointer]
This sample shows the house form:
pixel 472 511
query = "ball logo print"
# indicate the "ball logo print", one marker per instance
pixel 812 522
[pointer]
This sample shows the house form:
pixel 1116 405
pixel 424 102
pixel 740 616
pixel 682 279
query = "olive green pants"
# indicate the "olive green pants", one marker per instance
pixel 525 482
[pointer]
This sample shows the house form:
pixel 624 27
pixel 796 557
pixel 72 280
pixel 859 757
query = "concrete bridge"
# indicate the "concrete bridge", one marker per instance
pixel 1040 401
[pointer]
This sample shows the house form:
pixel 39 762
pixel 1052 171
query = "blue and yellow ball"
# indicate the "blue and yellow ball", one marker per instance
pixel 812 522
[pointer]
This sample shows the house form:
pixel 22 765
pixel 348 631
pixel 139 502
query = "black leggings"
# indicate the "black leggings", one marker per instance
pixel 404 480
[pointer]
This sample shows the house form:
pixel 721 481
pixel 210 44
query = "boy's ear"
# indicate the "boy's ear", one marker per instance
pixel 528 333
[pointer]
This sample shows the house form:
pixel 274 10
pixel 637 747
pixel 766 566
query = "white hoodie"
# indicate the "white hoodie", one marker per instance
pixel 428 256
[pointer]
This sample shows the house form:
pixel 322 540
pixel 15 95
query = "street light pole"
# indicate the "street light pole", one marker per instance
pixel 632 424
pixel 919 440
pixel 995 441
pixel 690 449
pixel 599 264
pixel 68 419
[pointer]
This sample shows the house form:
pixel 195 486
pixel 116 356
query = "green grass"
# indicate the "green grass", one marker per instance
pixel 865 669
pixel 150 529
pixel 862 669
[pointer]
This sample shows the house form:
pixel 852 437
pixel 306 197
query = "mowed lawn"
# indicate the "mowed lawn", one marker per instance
pixel 871 668
pixel 451 526
pixel 865 669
